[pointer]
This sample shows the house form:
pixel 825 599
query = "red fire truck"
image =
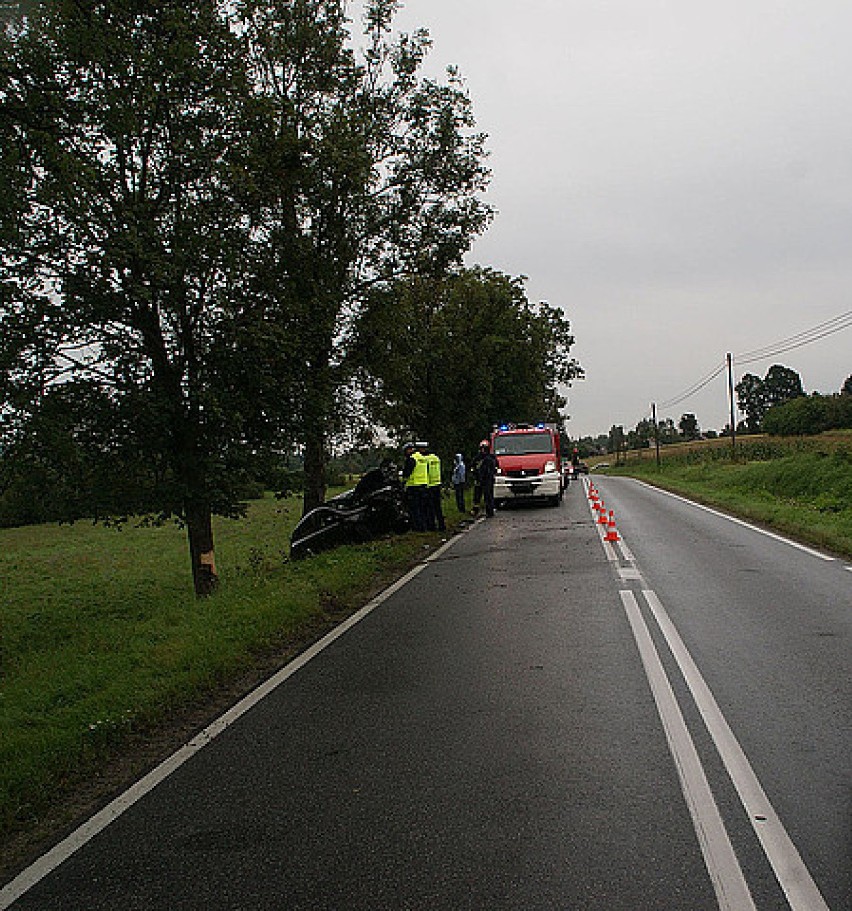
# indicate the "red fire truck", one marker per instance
pixel 528 463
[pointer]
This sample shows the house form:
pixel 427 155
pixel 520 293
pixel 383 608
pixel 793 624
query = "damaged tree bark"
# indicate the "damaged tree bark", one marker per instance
pixel 199 529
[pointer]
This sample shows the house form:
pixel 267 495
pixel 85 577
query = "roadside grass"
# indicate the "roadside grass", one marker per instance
pixel 801 486
pixel 102 642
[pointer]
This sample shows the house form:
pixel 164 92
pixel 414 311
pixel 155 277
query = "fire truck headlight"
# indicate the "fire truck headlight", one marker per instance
pixel 549 466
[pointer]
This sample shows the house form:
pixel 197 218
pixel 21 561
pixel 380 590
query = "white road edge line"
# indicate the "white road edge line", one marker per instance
pixel 792 874
pixel 732 892
pixel 48 862
pixel 757 528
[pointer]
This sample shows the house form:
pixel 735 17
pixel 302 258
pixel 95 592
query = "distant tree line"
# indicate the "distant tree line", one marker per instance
pixel 776 404
pixel 642 435
pixel 809 414
pixel 228 237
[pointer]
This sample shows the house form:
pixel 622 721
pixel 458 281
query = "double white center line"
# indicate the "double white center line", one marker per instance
pixel 732 891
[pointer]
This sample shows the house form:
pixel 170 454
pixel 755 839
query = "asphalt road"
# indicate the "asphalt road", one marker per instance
pixel 497 733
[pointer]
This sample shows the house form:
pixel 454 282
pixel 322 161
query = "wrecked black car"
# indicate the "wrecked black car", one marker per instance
pixel 373 507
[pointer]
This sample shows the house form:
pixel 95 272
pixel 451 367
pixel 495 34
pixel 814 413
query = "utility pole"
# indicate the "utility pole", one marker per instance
pixel 656 431
pixel 730 361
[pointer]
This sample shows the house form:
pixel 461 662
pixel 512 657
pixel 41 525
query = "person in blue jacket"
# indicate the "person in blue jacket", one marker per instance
pixel 458 479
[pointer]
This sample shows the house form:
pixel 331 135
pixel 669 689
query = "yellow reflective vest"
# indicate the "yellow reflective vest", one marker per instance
pixel 419 476
pixel 433 470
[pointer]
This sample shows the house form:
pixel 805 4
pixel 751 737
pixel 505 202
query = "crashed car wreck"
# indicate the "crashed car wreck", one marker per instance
pixel 373 507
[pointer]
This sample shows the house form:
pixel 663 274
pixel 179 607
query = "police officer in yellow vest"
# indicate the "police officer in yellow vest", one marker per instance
pixel 415 477
pixel 434 511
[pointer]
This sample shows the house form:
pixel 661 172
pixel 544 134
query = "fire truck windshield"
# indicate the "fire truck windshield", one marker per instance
pixel 522 443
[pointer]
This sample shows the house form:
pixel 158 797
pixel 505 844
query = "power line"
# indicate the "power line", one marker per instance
pixel 696 387
pixel 829 327
pixel 800 339
pixel 793 338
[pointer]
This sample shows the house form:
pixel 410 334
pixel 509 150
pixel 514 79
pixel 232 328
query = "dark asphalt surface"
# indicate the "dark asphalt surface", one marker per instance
pixel 487 739
pixel 770 627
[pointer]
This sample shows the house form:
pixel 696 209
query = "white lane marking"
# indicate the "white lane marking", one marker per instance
pixel 608 547
pixel 757 528
pixel 609 550
pixel 48 862
pixel 791 872
pixel 731 889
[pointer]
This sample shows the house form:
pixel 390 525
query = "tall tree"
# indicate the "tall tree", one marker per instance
pixel 641 435
pixel 445 359
pixel 751 397
pixel 129 247
pixel 781 384
pixel 756 396
pixel 377 174
pixel 688 426
pixel 667 431
pixel 616 438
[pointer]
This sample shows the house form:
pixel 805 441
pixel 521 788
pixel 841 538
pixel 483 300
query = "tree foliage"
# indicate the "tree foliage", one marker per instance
pixel 756 396
pixel 688 426
pixel 616 439
pixel 445 359
pixel 782 384
pixel 806 415
pixel 388 171
pixel 73 460
pixel 130 241
pixel 642 435
pixel 225 232
pixel 751 401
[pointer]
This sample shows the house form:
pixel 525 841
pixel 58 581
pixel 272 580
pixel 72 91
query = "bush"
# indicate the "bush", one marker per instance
pixel 286 482
pixel 809 415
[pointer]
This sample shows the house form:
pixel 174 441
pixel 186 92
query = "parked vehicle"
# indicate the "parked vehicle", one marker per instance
pixel 529 464
pixel 374 506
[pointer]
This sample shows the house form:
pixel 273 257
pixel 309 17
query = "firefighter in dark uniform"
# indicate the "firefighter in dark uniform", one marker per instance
pixel 487 474
pixel 475 465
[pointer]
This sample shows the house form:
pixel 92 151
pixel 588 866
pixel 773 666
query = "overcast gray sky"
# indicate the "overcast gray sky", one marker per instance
pixel 677 175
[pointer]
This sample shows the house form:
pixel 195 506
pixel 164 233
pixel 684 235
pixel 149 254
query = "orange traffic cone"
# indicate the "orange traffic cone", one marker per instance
pixel 611 532
pixel 602 514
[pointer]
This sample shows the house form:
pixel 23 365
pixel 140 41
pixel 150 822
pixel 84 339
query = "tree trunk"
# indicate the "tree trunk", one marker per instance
pixel 199 528
pixel 315 481
pixel 319 408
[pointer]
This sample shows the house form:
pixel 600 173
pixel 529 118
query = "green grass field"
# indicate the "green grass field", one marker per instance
pixel 801 486
pixel 102 641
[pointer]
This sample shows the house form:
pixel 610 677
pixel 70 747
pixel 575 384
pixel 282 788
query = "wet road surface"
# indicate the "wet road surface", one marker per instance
pixel 498 733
